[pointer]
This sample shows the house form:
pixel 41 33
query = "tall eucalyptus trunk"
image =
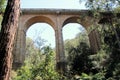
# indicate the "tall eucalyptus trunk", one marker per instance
pixel 7 36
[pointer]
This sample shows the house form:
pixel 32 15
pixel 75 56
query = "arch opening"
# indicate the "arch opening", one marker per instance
pixel 41 27
pixel 75 32
pixel 43 32
pixel 72 27
pixel 75 36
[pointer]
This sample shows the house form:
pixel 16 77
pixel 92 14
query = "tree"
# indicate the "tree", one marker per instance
pixel 110 32
pixel 77 51
pixel 8 31
pixel 39 64
pixel 102 5
pixel 71 43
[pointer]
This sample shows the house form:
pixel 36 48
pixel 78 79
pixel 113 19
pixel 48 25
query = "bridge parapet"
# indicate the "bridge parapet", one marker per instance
pixel 53 11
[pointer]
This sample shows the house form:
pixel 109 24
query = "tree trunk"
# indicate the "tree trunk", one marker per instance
pixel 7 36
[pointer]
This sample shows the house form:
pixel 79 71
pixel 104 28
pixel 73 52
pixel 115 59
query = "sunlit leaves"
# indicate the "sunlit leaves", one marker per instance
pixel 102 5
pixel 39 64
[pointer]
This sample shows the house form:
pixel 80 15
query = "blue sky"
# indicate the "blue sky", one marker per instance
pixel 64 4
pixel 43 29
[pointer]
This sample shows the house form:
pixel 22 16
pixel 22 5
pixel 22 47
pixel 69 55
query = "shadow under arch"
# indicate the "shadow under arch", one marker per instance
pixel 38 19
pixel 73 19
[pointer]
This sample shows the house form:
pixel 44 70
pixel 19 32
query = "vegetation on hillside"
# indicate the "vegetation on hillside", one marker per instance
pixel 39 64
pixel 81 62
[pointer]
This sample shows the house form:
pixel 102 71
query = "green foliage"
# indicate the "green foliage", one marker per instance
pixel 98 76
pixel 77 51
pixel 2 6
pixel 109 36
pixel 99 59
pixel 39 64
pixel 102 5
pixel 23 74
pixel 108 58
pixel 81 62
pixel 104 65
pixel 46 69
pixel 85 76
pixel 73 43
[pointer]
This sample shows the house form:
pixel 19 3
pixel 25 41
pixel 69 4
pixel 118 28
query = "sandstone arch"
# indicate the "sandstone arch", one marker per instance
pixel 39 19
pixel 57 18
pixel 73 19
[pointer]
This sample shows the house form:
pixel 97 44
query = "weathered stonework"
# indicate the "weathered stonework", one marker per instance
pixel 57 18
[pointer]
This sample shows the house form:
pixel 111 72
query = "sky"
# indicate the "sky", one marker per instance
pixel 43 29
pixel 62 4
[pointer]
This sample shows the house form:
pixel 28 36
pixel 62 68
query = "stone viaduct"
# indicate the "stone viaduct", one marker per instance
pixel 57 18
